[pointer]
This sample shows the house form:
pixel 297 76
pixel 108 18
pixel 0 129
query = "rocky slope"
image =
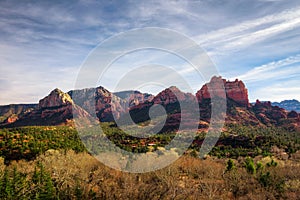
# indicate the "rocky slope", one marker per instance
pixel 11 113
pixel 274 115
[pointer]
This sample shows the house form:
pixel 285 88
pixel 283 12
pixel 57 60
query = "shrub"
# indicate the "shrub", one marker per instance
pixel 250 167
pixel 230 165
pixel 259 166
pixel 272 163
pixel 265 179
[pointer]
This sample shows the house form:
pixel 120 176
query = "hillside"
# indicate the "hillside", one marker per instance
pixel 10 113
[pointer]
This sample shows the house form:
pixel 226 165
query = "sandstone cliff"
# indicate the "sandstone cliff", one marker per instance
pixel 234 90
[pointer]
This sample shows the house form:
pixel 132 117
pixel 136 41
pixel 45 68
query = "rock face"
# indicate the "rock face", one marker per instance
pixel 58 104
pixel 108 106
pixel 85 98
pixel 235 91
pixel 11 119
pixel 58 108
pixel 214 88
pixel 236 96
pixel 56 98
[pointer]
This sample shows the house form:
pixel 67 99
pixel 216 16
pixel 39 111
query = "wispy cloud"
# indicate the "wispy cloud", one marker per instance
pixel 277 91
pixel 247 33
pixel 276 69
pixel 274 81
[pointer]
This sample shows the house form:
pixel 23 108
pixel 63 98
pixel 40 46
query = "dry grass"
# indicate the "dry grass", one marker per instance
pixel 187 178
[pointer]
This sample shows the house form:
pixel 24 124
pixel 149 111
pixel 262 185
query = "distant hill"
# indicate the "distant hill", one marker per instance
pixel 289 105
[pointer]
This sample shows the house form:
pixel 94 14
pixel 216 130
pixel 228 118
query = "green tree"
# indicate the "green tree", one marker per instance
pixel 44 188
pixel 6 187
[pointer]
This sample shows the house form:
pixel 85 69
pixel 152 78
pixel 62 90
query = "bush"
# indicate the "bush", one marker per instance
pixel 230 165
pixel 265 179
pixel 259 166
pixel 250 167
pixel 272 163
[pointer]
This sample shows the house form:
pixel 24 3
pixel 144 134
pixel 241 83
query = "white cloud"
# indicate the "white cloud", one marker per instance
pixel 278 92
pixel 247 33
pixel 281 68
pixel 274 81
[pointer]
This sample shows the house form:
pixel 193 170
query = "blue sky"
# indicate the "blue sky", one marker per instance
pixel 44 43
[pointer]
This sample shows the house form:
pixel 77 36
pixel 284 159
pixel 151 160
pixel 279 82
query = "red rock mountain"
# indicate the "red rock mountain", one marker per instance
pixel 235 91
pixel 107 106
pixel 58 104
pixel 57 107
pixel 54 109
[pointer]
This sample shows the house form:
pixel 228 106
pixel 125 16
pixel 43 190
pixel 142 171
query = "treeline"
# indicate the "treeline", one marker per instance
pixel 235 141
pixel 28 142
